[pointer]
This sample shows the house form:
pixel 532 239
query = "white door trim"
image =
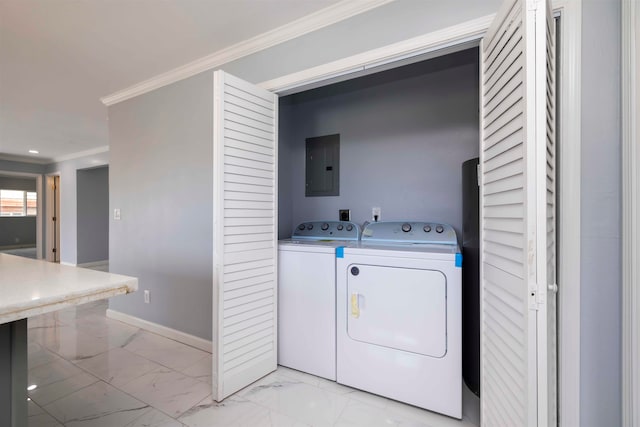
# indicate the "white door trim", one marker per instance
pixel 39 192
pixel 630 215
pixel 569 116
pixel 363 63
pixel 50 242
pixel 569 113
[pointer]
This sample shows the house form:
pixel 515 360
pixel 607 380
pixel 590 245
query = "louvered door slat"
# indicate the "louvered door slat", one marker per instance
pixel 241 319
pixel 248 105
pixel 246 129
pixel 247 328
pixel 518 217
pixel 245 153
pixel 245 200
pixel 235 136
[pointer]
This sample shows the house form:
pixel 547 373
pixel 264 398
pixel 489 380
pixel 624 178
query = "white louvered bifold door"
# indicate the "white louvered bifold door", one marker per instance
pixel 517 159
pixel 245 234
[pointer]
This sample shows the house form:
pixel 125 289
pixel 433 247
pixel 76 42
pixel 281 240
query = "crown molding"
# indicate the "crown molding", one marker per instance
pixel 338 12
pixel 79 154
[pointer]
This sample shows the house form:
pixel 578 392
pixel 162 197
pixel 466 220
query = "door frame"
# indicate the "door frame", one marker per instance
pixel 39 188
pixel 630 214
pixel 50 225
pixel 468 34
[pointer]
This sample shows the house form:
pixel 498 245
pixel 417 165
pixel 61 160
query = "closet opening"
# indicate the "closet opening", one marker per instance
pixel 405 134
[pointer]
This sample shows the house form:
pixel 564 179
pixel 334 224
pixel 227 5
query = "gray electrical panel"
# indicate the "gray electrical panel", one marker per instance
pixel 322 169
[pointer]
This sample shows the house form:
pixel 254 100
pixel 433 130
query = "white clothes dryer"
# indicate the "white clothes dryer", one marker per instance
pixel 399 315
pixel 307 295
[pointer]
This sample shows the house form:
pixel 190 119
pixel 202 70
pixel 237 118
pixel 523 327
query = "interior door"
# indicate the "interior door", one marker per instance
pixel 517 156
pixel 245 234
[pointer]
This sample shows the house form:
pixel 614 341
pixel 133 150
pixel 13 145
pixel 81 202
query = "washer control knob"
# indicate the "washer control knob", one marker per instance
pixel 301 227
pixel 325 226
pixel 349 227
pixel 426 228
pixel 309 226
pixel 355 271
pixel 340 227
pixel 439 229
pixel 406 227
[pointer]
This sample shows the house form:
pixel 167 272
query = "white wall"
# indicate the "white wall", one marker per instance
pixel 404 135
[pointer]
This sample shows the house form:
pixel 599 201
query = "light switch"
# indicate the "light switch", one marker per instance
pixel 116 214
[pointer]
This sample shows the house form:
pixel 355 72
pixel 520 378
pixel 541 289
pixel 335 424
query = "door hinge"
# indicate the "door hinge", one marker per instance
pixel 479 173
pixel 54 250
pixel 553 288
pixel 54 218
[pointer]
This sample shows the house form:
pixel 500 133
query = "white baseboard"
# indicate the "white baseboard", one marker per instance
pixel 164 331
pixel 70 264
pixel 93 264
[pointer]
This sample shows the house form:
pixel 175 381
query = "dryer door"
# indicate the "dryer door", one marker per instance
pixel 399 308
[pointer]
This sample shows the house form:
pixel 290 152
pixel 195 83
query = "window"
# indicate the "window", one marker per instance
pixel 18 203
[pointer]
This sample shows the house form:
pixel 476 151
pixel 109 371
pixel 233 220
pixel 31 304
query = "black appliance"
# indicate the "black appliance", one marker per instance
pixel 471 275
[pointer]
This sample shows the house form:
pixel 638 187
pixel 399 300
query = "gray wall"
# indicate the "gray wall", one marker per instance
pixel 11 166
pixel 93 214
pixel 16 231
pixel 16 183
pixel 161 177
pixel 68 201
pixel 404 135
pixel 601 216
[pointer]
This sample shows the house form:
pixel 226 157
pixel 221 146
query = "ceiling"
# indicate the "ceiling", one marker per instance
pixel 58 57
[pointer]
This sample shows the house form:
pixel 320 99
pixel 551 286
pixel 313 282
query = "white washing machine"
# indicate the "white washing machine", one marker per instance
pixel 399 315
pixel 307 295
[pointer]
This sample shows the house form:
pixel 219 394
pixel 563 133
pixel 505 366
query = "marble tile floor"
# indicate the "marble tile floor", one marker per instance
pixel 24 252
pixel 92 371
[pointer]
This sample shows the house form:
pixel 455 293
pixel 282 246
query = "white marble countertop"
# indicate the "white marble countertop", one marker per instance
pixel 30 287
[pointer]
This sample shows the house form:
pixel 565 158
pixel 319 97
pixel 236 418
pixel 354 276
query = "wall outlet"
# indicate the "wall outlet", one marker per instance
pixel 116 214
pixel 376 214
pixel 146 296
pixel 345 214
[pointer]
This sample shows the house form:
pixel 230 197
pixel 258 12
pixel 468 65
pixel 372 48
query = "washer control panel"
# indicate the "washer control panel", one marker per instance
pixel 409 232
pixel 327 230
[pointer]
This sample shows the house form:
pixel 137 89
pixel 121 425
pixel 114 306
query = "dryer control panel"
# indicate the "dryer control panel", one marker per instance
pixel 409 233
pixel 327 230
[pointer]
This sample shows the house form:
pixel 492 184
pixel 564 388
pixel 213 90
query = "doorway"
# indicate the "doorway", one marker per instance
pixel 92 191
pixel 21 214
pixel 405 134
pixel 53 217
pixel 298 86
